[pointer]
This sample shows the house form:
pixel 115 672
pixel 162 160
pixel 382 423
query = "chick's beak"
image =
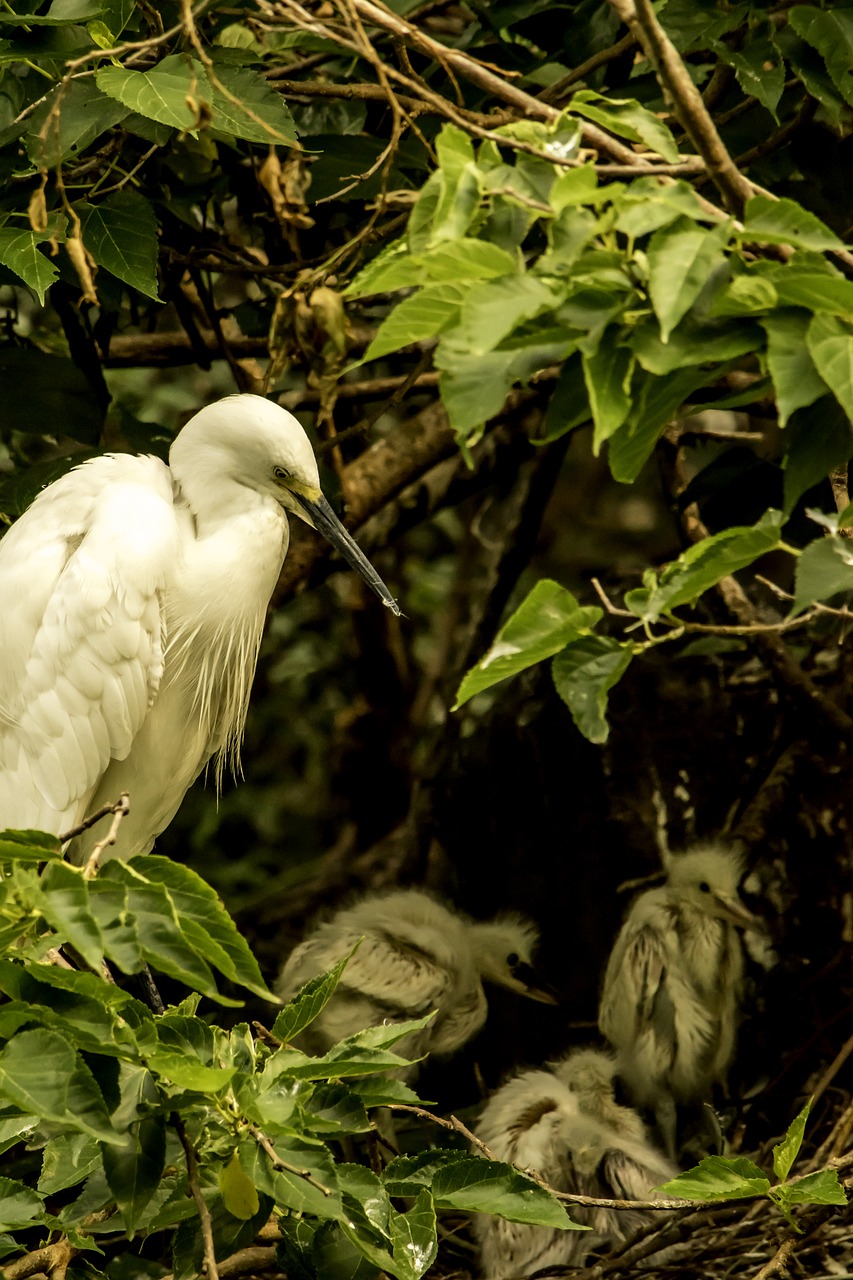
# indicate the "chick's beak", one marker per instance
pixel 528 983
pixel 322 517
pixel 731 908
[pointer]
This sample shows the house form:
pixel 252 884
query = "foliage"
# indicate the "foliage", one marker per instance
pixel 105 1093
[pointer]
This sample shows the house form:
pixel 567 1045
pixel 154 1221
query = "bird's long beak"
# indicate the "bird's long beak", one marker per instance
pixel 528 983
pixel 324 520
pixel 731 908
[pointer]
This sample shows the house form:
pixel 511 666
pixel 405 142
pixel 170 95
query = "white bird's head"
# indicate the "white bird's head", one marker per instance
pixel 706 880
pixel 591 1075
pixel 503 953
pixel 254 442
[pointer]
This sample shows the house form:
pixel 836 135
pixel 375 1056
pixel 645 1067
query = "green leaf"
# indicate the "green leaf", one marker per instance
pixel 654 407
pixel 407 1175
pixel 288 1188
pixel 218 938
pixel 414 1242
pixel 693 342
pixel 821 1187
pixel 681 258
pixel 607 374
pixel 134 1169
pixel 19 1205
pixel 830 343
pixel 63 897
pixel 41 1072
pixel 63 127
pixel 311 1000
pixel 67 1160
pixel 644 206
pixel 744 295
pixel 800 287
pixel 716 1178
pixel 479 1186
pixel 188 1073
pixel 121 235
pixel 824 569
pixel 759 69
pixel 490 311
pixel 786 1151
pixel 59 13
pixel 785 222
pixel 543 623
pixel 458 185
pixel 569 404
pixel 269 122
pixel 418 318
pixel 19 251
pixel 831 33
pixel 237 1190
pixel 29 846
pixel 584 673
pixel 379 1091
pixel 574 186
pixel 796 380
pixel 160 94
pixel 705 563
pixel 626 118
pixel 820 438
pixel 15 1127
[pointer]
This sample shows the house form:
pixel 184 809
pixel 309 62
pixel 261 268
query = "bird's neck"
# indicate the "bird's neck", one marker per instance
pixel 216 500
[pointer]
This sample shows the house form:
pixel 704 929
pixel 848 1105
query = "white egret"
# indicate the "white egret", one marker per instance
pixel 417 956
pixel 134 596
pixel 673 984
pixel 565 1124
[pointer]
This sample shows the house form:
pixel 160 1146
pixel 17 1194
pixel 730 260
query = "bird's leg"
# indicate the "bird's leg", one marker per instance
pixel 666 1120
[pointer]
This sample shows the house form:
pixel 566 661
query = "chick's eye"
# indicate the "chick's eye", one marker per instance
pixel 281 473
pixel 512 959
pixel 704 887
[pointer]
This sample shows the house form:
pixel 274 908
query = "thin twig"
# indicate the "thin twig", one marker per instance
pixel 557 90
pixel 205 1221
pixel 264 1142
pixel 89 822
pixel 120 810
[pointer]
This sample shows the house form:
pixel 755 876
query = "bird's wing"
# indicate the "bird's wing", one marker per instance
pixel 82 579
pixel 630 1170
pixel 633 994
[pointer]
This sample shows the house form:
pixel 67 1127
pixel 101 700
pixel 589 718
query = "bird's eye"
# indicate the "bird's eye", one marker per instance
pixel 281 473
pixel 704 887
pixel 512 959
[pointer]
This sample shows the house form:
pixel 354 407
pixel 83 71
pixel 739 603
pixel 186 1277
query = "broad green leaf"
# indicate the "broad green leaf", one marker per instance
pixel 831 33
pixel 29 846
pixel 584 673
pixel 645 205
pixel 824 569
pixel 67 1160
pixel 786 1151
pixel 785 222
pixel 655 405
pixel 458 185
pixel 569 233
pixel 344 1061
pixel 830 343
pixel 195 901
pixel 490 311
pixel 759 69
pixel 569 403
pixel 392 268
pixel 334 1109
pixel 316 1193
pixel 810 69
pixel 299 1012
pixel 121 235
pixel 15 1127
pixel 188 1073
pixel 466 259
pixel 607 374
pixel 237 1190
pixel 795 379
pixel 408 1175
pixel 745 295
pixel 418 318
pixel 716 1178
pixel 259 115
pixel 109 903
pixel 134 1169
pixel 49 388
pixel 704 564
pixel 59 13
pixel 90 1010
pixel 63 127
pixel 379 1091
pixel 542 624
pixel 626 118
pixel 414 1243
pixel 162 93
pixel 681 258
pixel 474 387
pixel 41 1072
pixel 821 1187
pixel 19 1205
pixel 574 186
pixel 161 937
pixel 819 439
pixel 19 251
pixel 814 290
pixel 335 1255
pixel 383 1036
pixel 693 342
pixel 62 895
pixel 479 1186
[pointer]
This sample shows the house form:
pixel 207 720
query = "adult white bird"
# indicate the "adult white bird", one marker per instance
pixel 673 985
pixel 417 956
pixel 134 597
pixel 565 1124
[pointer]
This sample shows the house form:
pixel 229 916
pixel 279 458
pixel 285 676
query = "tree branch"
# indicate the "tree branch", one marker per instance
pixel 205 1221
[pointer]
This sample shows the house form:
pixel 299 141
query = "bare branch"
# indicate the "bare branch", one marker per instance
pixel 120 810
pixel 205 1221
